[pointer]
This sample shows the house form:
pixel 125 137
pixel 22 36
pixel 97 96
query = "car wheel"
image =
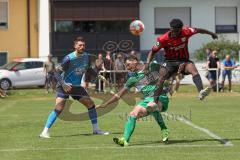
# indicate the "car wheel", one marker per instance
pixel 5 84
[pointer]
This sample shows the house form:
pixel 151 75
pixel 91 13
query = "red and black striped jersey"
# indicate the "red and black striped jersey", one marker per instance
pixel 175 48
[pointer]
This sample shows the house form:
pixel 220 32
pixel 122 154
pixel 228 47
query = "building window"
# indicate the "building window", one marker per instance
pixel 163 15
pixel 121 26
pixel 3 13
pixel 226 19
pixel 3 58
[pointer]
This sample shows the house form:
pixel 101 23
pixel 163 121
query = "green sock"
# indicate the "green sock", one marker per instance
pixel 159 119
pixel 129 127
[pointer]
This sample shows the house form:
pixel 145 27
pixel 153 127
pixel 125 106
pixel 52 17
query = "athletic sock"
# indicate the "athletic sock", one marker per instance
pixel 129 127
pixel 198 82
pixel 92 113
pixel 159 119
pixel 51 118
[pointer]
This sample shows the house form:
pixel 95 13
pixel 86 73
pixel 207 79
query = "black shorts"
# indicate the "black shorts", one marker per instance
pixel 76 93
pixel 173 66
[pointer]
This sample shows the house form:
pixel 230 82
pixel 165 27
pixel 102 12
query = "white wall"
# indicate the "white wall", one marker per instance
pixel 43 28
pixel 202 16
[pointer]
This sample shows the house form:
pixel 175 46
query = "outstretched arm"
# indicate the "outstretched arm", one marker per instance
pixel 204 31
pixel 151 54
pixel 115 98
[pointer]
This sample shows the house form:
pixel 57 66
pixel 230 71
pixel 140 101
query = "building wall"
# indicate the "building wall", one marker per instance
pixel 34 28
pixel 202 16
pixel 14 38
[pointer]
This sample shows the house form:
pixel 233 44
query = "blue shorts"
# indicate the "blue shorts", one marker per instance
pixel 212 75
pixel 228 74
pixel 76 93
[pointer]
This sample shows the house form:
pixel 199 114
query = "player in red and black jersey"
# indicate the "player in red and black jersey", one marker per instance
pixel 175 44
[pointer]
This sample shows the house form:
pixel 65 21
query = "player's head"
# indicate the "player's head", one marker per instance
pixel 214 53
pixel 176 27
pixel 228 57
pixel 50 56
pixel 99 55
pixel 79 44
pixel 131 63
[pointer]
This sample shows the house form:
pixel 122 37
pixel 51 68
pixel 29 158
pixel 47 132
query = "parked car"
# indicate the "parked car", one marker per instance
pixel 24 72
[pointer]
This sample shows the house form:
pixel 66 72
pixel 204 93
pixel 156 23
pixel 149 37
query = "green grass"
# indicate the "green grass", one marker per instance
pixel 23 114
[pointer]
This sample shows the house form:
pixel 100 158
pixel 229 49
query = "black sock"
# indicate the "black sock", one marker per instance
pixel 198 82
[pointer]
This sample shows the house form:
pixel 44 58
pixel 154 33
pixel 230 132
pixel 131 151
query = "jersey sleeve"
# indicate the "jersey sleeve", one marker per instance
pixel 65 63
pixel 159 44
pixel 61 68
pixel 224 62
pixel 130 83
pixel 189 31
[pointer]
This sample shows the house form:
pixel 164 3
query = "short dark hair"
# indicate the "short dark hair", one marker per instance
pixel 131 58
pixel 176 23
pixel 79 39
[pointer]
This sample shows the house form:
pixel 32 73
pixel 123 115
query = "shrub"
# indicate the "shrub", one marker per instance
pixel 223 46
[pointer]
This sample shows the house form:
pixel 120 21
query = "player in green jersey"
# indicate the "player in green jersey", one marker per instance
pixel 146 84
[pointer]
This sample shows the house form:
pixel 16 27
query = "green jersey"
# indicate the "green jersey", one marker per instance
pixel 146 84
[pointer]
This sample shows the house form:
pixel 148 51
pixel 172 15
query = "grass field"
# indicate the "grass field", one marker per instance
pixel 23 114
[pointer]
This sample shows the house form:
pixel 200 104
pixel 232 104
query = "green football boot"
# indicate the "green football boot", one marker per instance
pixel 165 134
pixel 120 141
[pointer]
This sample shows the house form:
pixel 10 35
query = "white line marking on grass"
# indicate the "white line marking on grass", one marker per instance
pixel 208 132
pixel 105 147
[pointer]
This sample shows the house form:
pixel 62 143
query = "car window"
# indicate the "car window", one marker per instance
pixel 38 64
pixel 32 65
pixel 9 66
pixel 20 66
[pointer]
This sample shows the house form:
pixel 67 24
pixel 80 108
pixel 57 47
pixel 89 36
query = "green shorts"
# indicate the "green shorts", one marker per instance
pixel 162 98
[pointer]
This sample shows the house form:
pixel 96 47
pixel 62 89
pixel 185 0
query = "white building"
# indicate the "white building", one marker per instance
pixel 221 16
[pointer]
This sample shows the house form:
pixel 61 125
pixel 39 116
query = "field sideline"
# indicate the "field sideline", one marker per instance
pixel 23 114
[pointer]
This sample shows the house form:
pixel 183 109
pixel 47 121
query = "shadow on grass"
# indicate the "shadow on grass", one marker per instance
pixel 185 141
pixel 86 134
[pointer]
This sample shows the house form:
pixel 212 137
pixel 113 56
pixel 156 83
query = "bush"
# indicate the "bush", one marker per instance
pixel 223 46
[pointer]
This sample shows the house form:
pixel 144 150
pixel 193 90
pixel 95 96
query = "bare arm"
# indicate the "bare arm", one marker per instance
pixel 218 65
pixel 204 31
pixel 207 65
pixel 115 98
pixel 150 57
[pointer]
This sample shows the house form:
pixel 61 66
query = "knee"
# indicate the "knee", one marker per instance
pixel 133 114
pixel 194 73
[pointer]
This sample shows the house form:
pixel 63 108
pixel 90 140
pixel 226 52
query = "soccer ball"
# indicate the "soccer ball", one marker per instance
pixel 137 27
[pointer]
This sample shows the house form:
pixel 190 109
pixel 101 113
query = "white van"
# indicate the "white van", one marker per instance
pixel 24 72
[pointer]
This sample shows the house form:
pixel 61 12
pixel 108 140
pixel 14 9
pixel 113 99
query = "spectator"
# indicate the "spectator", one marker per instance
pixel 228 66
pixel 208 53
pixel 108 64
pixel 99 66
pixel 90 75
pixel 213 62
pixel 118 66
pixel 49 68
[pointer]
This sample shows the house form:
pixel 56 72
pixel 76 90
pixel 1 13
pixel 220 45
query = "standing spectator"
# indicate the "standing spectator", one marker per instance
pixel 99 66
pixel 208 53
pixel 49 68
pixel 228 66
pixel 90 75
pixel 213 62
pixel 108 64
pixel 119 65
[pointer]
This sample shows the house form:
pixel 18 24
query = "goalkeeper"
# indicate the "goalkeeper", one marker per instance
pixel 146 84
